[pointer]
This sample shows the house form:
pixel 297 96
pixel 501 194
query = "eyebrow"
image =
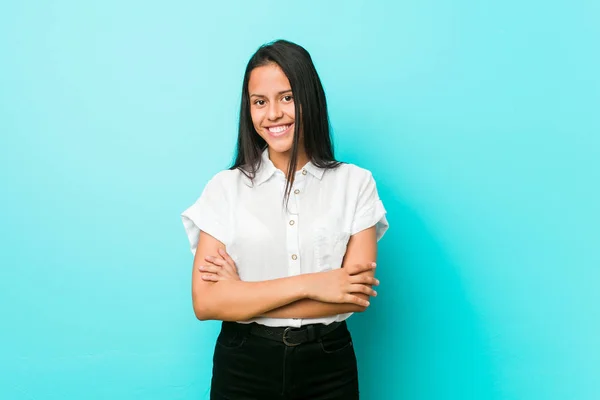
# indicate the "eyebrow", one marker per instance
pixel 262 95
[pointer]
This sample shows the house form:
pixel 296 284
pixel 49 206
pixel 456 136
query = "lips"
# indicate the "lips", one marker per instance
pixel 279 130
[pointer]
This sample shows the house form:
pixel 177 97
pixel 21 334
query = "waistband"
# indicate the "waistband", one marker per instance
pixel 288 335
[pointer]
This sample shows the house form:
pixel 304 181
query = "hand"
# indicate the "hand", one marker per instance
pixel 220 268
pixel 338 286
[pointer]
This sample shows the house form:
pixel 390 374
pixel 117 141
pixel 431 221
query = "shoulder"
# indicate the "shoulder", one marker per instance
pixel 225 178
pixel 356 171
pixel 223 183
pixel 350 173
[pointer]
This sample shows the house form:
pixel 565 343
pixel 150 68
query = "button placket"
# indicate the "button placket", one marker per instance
pixel 292 244
pixel 293 238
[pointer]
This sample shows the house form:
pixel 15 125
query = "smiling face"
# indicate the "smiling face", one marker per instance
pixel 272 109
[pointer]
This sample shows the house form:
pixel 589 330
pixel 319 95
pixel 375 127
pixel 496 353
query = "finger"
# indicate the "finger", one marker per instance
pixel 210 277
pixel 362 289
pixel 353 269
pixel 226 256
pixel 227 266
pixel 210 268
pixel 364 279
pixel 359 268
pixel 231 268
pixel 225 271
pixel 357 300
pixel 231 273
pixel 224 265
pixel 215 260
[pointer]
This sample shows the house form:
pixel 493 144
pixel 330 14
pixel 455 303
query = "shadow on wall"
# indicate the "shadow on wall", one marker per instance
pixel 421 338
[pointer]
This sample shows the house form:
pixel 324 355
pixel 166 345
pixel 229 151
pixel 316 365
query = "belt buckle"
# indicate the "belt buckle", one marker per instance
pixel 289 328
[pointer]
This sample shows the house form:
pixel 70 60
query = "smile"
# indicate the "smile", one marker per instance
pixel 279 130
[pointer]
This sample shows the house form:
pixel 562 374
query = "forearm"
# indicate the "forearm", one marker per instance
pixel 308 308
pixel 232 300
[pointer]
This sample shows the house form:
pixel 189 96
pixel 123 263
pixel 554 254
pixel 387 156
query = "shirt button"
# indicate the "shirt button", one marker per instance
pixel 303 172
pixel 292 222
pixel 294 257
pixel 296 191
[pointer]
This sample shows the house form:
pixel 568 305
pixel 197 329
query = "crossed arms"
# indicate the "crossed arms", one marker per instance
pixel 312 295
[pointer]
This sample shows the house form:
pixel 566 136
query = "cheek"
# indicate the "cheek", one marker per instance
pixel 257 118
pixel 290 110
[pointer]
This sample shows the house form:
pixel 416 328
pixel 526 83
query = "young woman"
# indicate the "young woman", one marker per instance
pixel 284 242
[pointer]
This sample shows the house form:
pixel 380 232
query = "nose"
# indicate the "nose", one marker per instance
pixel 275 111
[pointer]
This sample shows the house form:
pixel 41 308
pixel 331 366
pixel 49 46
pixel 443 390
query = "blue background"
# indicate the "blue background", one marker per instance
pixel 478 119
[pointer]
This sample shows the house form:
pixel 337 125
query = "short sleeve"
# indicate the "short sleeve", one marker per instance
pixel 208 213
pixel 369 209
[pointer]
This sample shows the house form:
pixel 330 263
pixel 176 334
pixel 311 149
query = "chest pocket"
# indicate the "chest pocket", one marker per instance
pixel 330 241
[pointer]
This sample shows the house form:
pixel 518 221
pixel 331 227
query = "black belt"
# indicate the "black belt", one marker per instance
pixel 289 335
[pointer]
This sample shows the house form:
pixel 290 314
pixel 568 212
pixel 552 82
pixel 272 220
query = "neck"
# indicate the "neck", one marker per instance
pixel 281 161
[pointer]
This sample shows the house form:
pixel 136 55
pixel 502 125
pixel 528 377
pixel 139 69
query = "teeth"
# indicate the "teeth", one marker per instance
pixel 278 129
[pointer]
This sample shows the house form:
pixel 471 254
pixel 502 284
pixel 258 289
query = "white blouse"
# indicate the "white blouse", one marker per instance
pixel 267 241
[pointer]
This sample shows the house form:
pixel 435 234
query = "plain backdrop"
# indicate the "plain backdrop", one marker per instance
pixel 478 119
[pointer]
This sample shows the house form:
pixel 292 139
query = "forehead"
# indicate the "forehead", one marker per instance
pixel 268 79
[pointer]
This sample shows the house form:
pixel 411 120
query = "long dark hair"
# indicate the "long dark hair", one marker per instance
pixel 309 96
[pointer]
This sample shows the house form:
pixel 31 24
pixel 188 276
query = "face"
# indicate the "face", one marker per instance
pixel 272 107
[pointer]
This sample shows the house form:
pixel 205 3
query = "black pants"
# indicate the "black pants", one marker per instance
pixel 248 367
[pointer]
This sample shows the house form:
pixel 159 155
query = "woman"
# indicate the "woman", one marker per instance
pixel 284 242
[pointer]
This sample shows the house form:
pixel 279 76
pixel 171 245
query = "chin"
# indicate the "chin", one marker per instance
pixel 280 147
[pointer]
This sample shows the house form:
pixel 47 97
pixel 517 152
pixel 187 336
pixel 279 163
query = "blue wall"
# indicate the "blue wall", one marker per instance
pixel 479 120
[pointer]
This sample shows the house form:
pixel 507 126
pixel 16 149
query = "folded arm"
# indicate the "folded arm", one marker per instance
pixel 362 249
pixel 235 300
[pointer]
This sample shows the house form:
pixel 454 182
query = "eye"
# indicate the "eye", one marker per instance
pixel 259 102
pixel 288 98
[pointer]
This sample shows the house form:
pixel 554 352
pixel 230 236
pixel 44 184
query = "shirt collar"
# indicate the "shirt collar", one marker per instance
pixel 267 169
